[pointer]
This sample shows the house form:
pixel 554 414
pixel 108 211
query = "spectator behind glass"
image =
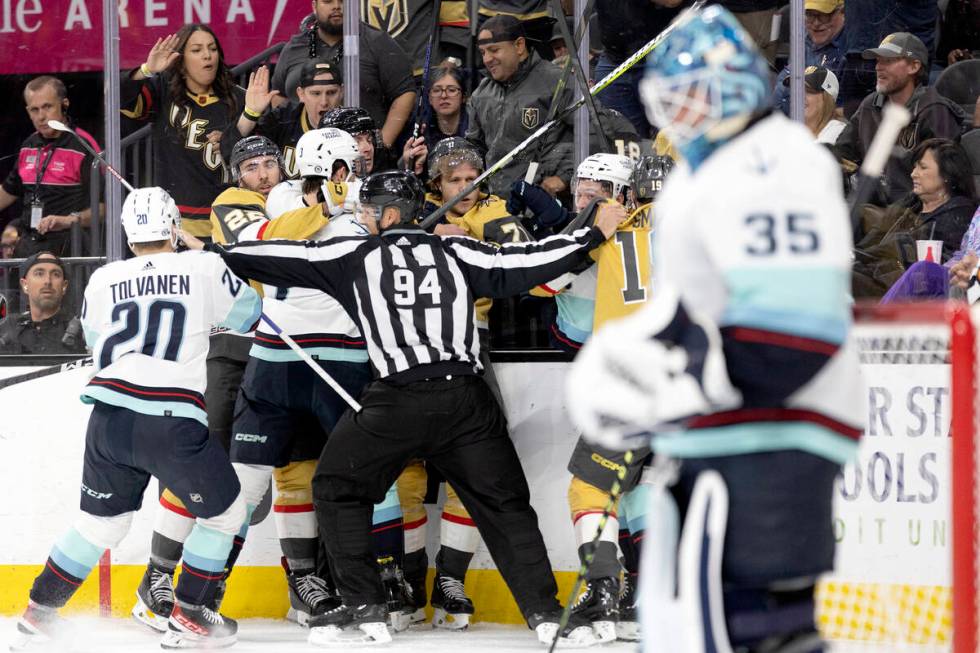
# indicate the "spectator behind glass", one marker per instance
pixel 52 173
pixel 902 69
pixel 822 46
pixel 940 207
pixel 513 102
pixel 868 22
pixel 624 27
pixel 46 327
pixel 387 88
pixel 320 89
pixel 820 112
pixel 447 104
pixel 959 35
pixel 186 91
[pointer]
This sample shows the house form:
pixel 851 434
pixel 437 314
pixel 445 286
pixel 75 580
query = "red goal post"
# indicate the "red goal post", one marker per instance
pixel 962 323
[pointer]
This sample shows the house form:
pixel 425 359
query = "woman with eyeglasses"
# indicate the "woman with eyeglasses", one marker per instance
pixel 447 102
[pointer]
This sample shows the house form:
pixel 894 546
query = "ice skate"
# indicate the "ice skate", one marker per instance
pixel 39 626
pixel 198 627
pixel 576 634
pixel 415 597
pixel 599 605
pixel 628 625
pixel 309 595
pixel 399 610
pixel 361 625
pixel 155 598
pixel 451 607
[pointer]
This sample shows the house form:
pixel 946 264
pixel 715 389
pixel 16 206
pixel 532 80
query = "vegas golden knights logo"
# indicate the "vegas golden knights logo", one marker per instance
pixel 529 117
pixel 386 15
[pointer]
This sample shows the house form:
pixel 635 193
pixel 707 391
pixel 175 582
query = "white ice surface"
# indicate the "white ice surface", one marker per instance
pixel 94 635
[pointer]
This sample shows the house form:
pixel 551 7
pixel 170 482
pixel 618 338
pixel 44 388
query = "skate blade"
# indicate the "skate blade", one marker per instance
pixel 369 634
pixel 173 639
pixel 142 613
pixel 628 631
pixel 399 620
pixel 449 621
pixel 298 616
pixel 417 618
pixel 604 631
pixel 27 637
pixel 581 637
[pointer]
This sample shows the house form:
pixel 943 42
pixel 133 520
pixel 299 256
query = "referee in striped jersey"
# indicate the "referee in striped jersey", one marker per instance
pixel 412 295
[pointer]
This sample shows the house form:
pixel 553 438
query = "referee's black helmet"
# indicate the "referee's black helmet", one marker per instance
pixel 353 120
pixel 394 188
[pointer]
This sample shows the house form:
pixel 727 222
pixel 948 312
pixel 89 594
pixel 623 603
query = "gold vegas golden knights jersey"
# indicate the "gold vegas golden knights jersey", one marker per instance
pixel 490 222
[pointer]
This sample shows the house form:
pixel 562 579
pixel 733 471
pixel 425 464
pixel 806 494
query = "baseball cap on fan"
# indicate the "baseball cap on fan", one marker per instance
pixel 823 6
pixel 502 28
pixel 818 78
pixel 900 44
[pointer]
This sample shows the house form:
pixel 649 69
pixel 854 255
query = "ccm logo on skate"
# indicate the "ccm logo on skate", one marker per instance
pixel 251 437
pixel 605 462
pixel 96 495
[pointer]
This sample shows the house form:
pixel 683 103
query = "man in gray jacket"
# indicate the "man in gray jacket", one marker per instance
pixel 513 102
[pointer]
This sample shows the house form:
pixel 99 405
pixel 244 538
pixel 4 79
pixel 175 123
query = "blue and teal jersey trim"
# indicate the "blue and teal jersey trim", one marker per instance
pixel 166 402
pixel 320 346
pixel 810 303
pixel 244 313
pixel 838 444
pixel 575 316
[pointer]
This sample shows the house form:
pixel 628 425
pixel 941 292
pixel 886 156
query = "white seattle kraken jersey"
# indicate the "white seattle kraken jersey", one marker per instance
pixel 147 320
pixel 758 239
pixel 312 318
pixel 288 195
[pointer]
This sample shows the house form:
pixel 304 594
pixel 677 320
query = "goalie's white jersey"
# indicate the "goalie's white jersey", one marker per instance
pixel 758 240
pixel 147 320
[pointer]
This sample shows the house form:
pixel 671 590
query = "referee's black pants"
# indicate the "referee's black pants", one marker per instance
pixel 457 426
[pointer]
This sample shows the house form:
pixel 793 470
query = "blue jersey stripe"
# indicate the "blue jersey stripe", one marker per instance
pixel 756 437
pixel 161 408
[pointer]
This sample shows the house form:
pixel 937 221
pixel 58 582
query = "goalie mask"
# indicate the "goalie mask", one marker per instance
pixel 150 215
pixel 705 82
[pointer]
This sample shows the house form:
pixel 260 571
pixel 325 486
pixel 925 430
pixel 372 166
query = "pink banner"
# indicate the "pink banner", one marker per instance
pixel 41 36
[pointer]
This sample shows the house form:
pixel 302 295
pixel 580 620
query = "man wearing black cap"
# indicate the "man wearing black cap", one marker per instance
pixel 901 71
pixel 321 88
pixel 513 102
pixel 45 328
pixel 387 87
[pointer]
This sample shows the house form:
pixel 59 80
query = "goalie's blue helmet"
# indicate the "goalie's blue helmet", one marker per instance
pixel 704 82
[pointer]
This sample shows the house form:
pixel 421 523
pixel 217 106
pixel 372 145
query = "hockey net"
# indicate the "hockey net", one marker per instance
pixel 906 512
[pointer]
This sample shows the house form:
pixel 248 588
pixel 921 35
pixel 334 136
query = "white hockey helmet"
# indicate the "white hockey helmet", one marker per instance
pixel 612 168
pixel 319 150
pixel 149 215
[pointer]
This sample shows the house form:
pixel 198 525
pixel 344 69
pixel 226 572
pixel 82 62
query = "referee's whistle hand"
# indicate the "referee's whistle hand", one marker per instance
pixel 609 216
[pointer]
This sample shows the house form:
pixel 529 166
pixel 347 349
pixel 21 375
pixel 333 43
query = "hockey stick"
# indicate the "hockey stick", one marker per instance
pixel 62 127
pixel 523 145
pixel 420 105
pixel 322 373
pixel 567 68
pixel 614 493
pixel 576 66
pixel 893 119
pixel 45 371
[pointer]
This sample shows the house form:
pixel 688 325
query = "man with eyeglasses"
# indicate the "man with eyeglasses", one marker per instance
pixel 824 44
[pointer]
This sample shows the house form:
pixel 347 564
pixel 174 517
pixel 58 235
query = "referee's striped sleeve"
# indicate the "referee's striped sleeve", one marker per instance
pixel 290 263
pixel 517 267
